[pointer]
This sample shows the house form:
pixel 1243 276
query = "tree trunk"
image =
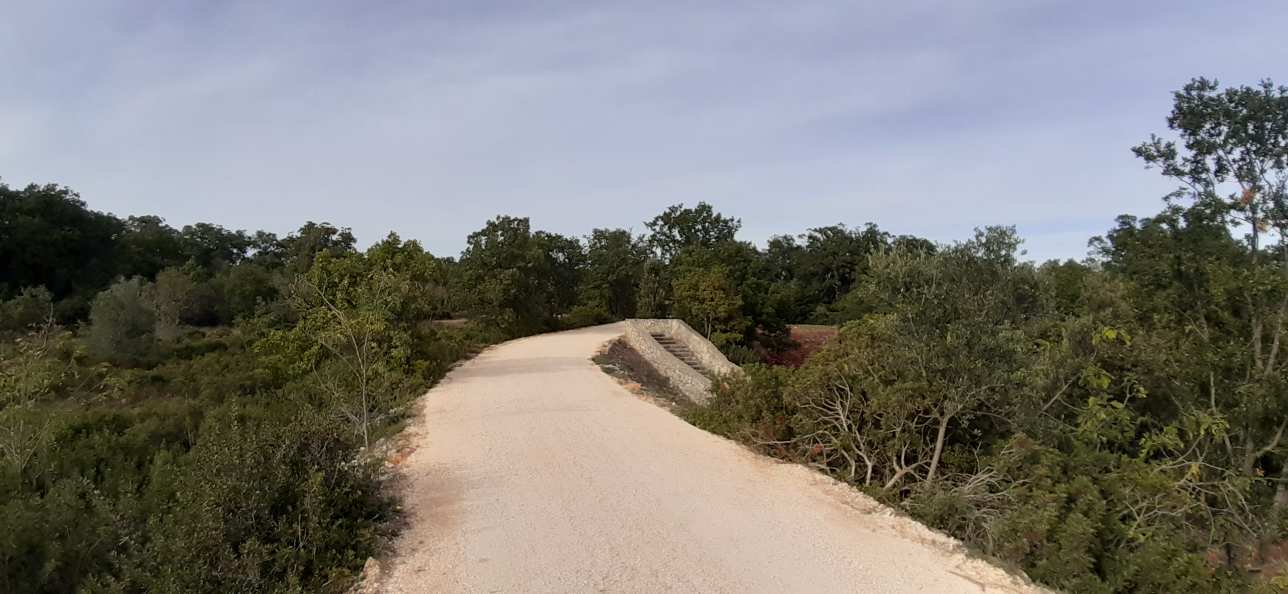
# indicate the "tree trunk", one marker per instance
pixel 1249 454
pixel 366 410
pixel 1281 490
pixel 939 447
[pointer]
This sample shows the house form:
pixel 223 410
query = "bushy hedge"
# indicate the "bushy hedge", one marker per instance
pixel 1063 440
pixel 217 460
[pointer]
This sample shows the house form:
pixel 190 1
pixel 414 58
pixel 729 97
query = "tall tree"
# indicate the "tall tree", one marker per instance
pixel 679 227
pixel 614 266
pixel 298 249
pixel 1232 162
pixel 211 247
pixel 49 238
pixel 514 279
pixel 707 298
pixel 563 260
pixel 147 246
pixel 1233 153
pixel 171 296
pixel 833 257
pixel 939 350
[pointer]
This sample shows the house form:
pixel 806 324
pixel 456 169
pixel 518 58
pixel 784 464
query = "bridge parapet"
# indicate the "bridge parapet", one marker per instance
pixel 678 352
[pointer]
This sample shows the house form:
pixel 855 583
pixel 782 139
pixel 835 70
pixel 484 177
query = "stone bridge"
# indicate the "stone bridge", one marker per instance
pixel 678 352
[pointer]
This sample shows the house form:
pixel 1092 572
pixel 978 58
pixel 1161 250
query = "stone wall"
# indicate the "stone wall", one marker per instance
pixel 693 384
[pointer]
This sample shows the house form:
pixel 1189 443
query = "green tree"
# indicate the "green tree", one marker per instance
pixel 515 280
pixel 833 258
pixel 744 267
pixel 36 365
pixel 32 307
pixel 359 370
pixel 361 321
pixel 245 287
pixel 1235 152
pixel 211 247
pixel 298 249
pixel 122 323
pixel 614 267
pixel 706 298
pixel 1232 162
pixel 147 246
pixel 940 346
pixel 679 227
pixel 822 267
pixel 654 297
pixel 171 295
pixel 423 281
pixel 49 238
pixel 563 260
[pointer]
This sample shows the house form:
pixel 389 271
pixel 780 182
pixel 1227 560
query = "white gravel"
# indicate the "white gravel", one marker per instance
pixel 536 472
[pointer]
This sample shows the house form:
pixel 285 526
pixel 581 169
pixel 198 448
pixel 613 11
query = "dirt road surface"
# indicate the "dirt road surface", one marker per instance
pixel 536 472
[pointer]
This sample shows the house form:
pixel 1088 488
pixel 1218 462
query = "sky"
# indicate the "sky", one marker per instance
pixel 429 118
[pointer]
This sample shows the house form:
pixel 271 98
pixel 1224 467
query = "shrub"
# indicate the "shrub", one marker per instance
pixel 33 306
pixel 749 407
pixel 246 287
pixel 264 502
pixel 586 315
pixel 122 323
pixel 172 296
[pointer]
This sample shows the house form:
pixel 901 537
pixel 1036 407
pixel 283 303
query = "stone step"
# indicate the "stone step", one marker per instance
pixel 678 349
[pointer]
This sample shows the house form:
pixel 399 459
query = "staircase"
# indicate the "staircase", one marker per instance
pixel 678 349
pixel 686 359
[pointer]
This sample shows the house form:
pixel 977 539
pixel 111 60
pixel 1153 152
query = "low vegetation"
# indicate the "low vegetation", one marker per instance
pixel 185 439
pixel 1115 425
pixel 200 409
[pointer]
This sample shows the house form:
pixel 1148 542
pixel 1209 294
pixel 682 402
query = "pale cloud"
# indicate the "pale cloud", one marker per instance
pixel 930 119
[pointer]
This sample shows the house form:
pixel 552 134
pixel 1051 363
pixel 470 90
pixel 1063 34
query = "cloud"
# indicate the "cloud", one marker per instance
pixel 429 118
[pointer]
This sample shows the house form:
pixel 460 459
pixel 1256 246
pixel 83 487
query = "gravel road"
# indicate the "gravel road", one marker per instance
pixel 534 471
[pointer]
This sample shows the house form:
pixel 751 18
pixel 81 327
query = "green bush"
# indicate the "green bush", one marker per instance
pixel 31 307
pixel 585 315
pixel 176 492
pixel 749 407
pixel 122 324
pixel 261 503
pixel 222 465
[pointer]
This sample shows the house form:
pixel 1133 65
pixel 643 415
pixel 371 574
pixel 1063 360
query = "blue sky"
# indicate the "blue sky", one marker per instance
pixel 428 118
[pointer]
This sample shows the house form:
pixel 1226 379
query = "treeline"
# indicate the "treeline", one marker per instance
pixel 510 277
pixel 202 409
pixel 689 264
pixel 1116 425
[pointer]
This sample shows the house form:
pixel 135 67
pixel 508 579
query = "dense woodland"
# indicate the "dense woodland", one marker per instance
pixel 199 409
